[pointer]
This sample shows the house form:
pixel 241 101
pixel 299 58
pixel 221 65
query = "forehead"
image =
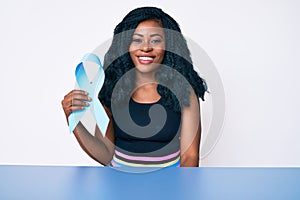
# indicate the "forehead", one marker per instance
pixel 149 26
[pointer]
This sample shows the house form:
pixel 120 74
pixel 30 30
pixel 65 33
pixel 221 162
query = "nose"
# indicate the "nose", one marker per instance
pixel 146 47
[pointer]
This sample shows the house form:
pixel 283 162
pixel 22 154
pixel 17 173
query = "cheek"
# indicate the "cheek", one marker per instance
pixel 161 54
pixel 133 58
pixel 133 47
pixel 131 52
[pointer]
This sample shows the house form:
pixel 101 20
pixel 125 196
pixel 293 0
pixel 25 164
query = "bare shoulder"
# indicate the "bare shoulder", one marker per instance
pixel 194 103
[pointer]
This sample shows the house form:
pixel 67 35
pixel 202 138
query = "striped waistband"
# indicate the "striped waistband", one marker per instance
pixel 123 160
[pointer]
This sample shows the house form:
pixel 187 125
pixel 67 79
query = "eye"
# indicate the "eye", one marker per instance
pixel 136 40
pixel 156 41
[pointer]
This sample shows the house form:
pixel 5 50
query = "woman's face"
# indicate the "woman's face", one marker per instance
pixel 147 48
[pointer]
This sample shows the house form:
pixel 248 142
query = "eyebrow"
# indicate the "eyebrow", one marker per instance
pixel 156 34
pixel 152 35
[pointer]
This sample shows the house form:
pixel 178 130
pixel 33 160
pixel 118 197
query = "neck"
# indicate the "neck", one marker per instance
pixel 145 80
pixel 146 93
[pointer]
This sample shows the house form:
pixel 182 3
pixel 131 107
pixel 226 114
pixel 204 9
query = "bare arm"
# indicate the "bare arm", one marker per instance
pixel 190 133
pixel 96 146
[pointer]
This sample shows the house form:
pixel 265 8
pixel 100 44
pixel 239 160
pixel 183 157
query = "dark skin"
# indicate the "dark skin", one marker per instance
pixel 146 50
pixel 96 146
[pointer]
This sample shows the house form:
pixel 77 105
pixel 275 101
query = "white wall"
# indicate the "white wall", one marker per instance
pixel 253 44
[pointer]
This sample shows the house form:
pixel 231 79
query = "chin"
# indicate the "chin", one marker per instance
pixel 147 69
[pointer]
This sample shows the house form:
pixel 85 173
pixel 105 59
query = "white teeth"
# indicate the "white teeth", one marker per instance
pixel 145 58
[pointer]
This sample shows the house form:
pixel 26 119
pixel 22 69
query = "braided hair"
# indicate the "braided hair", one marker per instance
pixel 117 62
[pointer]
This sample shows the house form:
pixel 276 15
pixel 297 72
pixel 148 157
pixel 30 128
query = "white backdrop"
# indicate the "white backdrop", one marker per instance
pixel 253 44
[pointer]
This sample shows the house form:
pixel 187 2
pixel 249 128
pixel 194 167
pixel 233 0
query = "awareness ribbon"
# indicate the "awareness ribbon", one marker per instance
pixel 93 89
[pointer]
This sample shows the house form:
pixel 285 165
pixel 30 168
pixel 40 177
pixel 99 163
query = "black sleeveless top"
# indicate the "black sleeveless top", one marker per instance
pixel 146 133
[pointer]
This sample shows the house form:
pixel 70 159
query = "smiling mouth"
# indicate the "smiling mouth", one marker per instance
pixel 145 59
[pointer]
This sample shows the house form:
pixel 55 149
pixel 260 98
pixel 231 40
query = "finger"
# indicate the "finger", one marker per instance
pixel 76 108
pixel 81 97
pixel 79 103
pixel 74 102
pixel 73 92
pixel 73 109
pixel 78 95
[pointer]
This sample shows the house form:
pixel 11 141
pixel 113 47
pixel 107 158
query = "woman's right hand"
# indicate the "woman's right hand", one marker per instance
pixel 75 100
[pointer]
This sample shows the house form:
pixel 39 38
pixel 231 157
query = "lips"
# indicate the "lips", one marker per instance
pixel 145 59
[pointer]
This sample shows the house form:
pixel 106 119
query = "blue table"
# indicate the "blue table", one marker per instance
pixel 53 182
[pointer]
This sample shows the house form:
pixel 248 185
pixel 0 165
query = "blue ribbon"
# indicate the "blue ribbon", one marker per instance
pixel 93 88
